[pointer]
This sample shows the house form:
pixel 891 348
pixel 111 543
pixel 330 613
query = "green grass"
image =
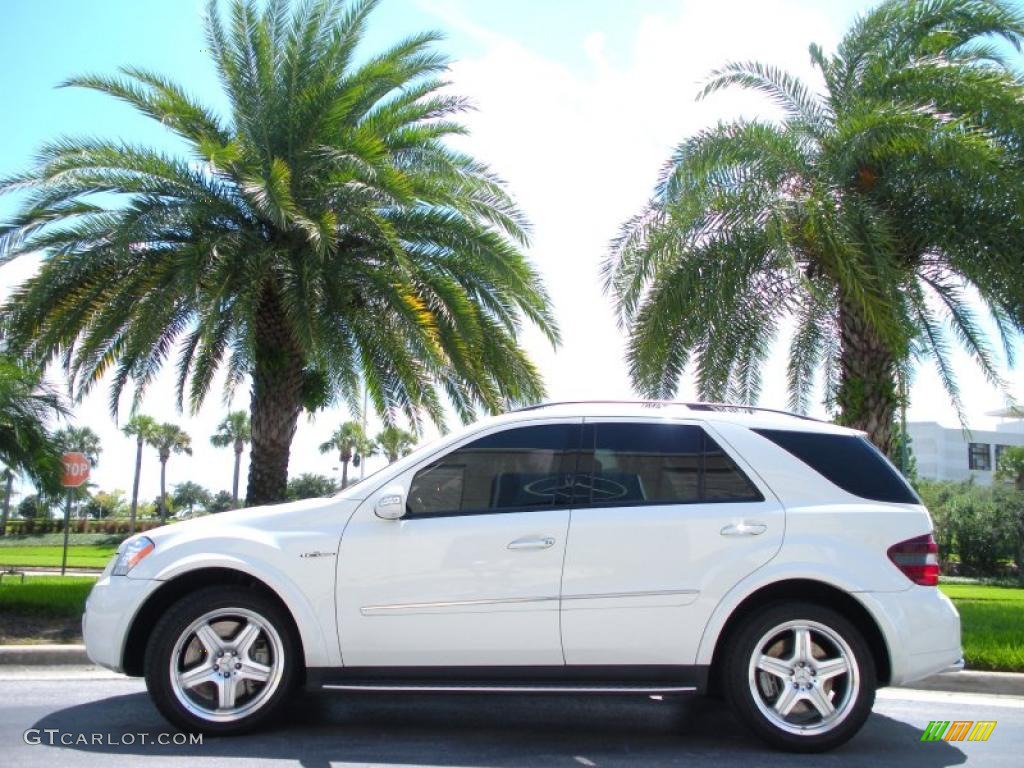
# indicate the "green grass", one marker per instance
pixel 79 556
pixel 51 596
pixel 992 620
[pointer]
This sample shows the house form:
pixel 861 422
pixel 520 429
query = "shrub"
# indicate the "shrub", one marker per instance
pixel 979 530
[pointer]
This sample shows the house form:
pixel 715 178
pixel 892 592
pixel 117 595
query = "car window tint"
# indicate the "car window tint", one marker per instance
pixel 849 461
pixel 646 463
pixel 516 469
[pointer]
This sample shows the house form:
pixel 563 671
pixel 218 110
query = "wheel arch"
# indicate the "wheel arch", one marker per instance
pixel 178 587
pixel 809 590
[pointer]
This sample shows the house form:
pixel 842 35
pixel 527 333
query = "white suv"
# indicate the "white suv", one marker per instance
pixel 632 548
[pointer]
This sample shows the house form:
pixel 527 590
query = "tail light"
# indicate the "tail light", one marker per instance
pixel 918 558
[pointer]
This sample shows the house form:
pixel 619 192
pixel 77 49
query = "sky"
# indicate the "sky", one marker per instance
pixel 578 103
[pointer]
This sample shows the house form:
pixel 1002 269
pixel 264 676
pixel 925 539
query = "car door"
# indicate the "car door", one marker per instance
pixel 470 575
pixel 666 521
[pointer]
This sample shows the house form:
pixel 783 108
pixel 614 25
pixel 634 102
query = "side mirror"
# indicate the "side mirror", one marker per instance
pixel 390 505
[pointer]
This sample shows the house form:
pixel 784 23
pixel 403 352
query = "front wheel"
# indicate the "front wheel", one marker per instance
pixel 800 676
pixel 221 661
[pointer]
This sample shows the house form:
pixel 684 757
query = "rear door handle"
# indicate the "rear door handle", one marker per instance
pixel 533 542
pixel 744 528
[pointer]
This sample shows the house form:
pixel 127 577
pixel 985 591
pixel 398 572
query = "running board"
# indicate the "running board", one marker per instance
pixel 630 680
pixel 398 687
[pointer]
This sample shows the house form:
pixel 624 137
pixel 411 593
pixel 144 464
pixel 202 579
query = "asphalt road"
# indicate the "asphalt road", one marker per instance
pixel 472 730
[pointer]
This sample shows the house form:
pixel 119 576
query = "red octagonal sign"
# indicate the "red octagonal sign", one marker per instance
pixel 75 469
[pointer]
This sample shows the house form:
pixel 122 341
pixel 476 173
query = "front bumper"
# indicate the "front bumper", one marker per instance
pixel 922 630
pixel 112 606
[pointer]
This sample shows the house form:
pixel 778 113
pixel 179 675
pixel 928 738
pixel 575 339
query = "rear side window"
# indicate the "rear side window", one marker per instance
pixel 518 469
pixel 849 461
pixel 623 464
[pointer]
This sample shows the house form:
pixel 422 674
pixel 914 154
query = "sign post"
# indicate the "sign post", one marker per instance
pixel 74 472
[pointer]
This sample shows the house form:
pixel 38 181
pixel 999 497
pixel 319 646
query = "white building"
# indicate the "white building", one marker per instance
pixel 945 453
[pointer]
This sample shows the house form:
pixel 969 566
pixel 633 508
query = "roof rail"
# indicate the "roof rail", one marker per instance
pixel 693 406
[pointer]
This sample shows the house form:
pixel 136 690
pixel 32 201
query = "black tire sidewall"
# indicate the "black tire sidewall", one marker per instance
pixel 175 621
pixel 737 689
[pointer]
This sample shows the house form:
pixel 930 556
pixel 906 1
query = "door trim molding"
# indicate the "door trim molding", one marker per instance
pixel 454 606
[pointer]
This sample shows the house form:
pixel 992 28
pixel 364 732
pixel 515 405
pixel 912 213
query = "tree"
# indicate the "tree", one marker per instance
pixel 142 428
pixel 8 480
pixel 346 440
pixel 104 504
pixel 324 234
pixel 222 502
pixel 189 494
pixel 32 506
pixel 863 217
pixel 81 439
pixel 27 407
pixel 234 431
pixel 1011 466
pixel 168 439
pixel 394 442
pixel 310 486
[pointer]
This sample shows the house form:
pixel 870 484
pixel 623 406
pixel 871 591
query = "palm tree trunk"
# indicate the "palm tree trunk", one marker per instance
pixel 344 473
pixel 163 491
pixel 135 485
pixel 867 394
pixel 8 488
pixel 275 404
pixel 238 466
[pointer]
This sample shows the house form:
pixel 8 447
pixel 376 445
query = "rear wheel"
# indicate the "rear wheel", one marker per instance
pixel 221 660
pixel 801 676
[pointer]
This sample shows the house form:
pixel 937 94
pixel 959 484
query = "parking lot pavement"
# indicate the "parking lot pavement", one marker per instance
pixel 469 730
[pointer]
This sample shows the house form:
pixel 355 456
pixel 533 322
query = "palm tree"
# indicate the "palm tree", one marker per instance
pixel 395 442
pixel 27 406
pixel 863 218
pixel 234 431
pixel 8 477
pixel 322 235
pixel 168 439
pixel 347 440
pixel 142 428
pixel 81 439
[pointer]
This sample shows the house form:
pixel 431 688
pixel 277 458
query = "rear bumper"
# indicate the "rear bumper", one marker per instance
pixel 921 628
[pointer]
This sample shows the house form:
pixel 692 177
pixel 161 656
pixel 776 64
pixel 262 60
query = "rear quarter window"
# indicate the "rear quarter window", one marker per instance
pixel 849 461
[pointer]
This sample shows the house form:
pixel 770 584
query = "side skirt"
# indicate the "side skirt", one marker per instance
pixel 642 679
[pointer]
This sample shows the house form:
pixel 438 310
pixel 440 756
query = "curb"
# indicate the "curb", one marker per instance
pixel 43 655
pixel 970 681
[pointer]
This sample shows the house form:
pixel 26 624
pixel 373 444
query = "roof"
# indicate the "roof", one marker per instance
pixel 735 413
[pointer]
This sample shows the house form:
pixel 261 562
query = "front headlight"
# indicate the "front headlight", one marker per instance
pixel 132 555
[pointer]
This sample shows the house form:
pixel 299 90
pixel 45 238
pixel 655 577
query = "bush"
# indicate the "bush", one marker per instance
pixel 979 530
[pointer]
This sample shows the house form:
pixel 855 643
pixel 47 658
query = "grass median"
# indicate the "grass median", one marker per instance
pixel 45 550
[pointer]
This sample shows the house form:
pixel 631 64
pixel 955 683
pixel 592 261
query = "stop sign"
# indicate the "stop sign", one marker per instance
pixel 75 469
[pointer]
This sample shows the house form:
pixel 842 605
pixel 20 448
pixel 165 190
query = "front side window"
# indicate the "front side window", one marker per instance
pixel 979 457
pixel 518 469
pixel 624 464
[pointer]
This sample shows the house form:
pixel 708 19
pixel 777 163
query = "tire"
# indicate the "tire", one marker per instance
pixel 780 691
pixel 233 692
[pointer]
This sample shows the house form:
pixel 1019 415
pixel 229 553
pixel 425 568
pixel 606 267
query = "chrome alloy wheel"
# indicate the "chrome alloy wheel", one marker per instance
pixel 226 664
pixel 804 677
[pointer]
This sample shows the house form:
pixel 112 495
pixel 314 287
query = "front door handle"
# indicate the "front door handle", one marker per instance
pixel 533 542
pixel 744 528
